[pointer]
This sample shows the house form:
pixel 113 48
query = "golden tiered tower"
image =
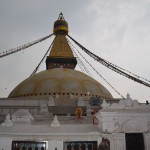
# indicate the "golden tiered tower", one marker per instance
pixel 61 54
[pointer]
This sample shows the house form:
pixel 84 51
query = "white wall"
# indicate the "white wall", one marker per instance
pixel 55 144
pixel 118 141
pixel 5 143
pixel 147 141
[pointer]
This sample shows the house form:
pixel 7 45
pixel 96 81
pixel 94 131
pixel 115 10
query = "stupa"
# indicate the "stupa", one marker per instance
pixel 64 109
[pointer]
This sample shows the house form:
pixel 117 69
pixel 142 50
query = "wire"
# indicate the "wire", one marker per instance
pixel 109 65
pixel 80 63
pixel 22 47
pixel 97 72
pixel 36 69
pixel 131 73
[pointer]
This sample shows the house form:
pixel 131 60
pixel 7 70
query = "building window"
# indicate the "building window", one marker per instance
pixel 80 145
pixel 28 145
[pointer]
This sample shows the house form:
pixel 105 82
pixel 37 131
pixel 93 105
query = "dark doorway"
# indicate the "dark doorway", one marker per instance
pixel 134 141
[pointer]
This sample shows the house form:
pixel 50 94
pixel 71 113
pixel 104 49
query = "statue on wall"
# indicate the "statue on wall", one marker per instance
pixel 7 122
pixel 105 104
pixel 95 120
pixel 55 122
pixel 105 144
pixel 51 101
pixel 79 113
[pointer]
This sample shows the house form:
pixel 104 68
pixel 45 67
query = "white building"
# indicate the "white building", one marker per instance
pixel 50 110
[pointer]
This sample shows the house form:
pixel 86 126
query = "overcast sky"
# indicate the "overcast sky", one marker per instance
pixel 116 30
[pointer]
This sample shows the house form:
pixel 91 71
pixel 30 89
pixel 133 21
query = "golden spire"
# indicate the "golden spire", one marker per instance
pixel 61 54
pixel 61 47
pixel 60 25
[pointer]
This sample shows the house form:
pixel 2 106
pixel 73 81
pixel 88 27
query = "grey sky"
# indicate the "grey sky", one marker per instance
pixel 116 30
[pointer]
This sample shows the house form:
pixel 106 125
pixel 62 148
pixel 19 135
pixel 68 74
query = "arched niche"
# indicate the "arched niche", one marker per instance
pixel 134 125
